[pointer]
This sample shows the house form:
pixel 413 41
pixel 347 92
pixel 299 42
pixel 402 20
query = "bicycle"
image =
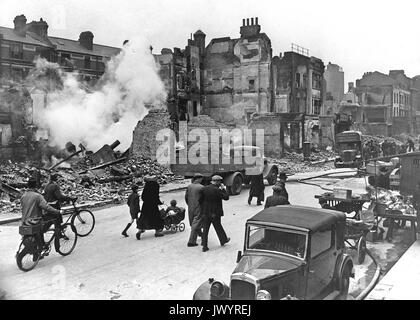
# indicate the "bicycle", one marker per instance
pixel 83 220
pixel 30 251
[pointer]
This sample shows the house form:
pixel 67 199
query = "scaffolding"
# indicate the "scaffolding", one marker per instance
pixel 301 50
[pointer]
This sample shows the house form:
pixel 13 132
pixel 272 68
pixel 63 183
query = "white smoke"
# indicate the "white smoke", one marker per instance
pixel 111 112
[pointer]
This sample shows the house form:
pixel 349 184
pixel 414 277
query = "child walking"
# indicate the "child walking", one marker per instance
pixel 133 203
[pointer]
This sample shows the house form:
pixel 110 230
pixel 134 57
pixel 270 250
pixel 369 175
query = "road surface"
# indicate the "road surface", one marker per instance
pixel 106 265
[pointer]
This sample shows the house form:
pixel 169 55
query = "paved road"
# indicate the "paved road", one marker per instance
pixel 105 265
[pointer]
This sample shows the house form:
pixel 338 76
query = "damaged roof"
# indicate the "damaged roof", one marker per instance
pixel 74 46
pixel 29 38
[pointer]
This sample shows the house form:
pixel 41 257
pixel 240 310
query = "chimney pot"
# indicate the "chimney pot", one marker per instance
pixel 247 21
pixel 256 20
pixel 243 22
pixel 252 21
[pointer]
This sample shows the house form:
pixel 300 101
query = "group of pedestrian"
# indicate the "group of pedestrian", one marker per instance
pixel 150 217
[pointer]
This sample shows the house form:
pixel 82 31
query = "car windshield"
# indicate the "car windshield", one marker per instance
pixel 285 241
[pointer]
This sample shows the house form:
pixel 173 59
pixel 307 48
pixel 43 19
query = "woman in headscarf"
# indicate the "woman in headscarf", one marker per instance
pixel 150 218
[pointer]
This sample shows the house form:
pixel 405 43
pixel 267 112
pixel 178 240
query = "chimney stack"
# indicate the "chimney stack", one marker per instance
pixel 250 30
pixel 20 24
pixel 86 40
pixel 39 27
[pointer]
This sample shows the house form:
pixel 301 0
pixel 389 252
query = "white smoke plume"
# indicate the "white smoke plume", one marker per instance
pixel 130 83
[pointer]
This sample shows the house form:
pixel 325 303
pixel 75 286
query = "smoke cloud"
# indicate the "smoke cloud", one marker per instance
pixel 130 84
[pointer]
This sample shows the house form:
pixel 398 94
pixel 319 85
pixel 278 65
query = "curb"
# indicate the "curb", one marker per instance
pixel 97 205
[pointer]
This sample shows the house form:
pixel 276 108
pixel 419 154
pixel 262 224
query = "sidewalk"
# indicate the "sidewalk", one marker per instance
pixel 170 187
pixel 400 283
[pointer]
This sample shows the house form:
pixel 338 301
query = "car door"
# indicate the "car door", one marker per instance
pixel 321 263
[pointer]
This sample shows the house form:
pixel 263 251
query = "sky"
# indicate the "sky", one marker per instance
pixel 358 35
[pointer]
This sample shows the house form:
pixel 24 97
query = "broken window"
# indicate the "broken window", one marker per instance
pixel 316 106
pixel 16 51
pixel 64 58
pixel 251 84
pixel 297 80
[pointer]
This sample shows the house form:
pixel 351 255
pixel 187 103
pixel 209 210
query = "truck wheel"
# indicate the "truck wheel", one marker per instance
pixel 236 186
pixel 272 176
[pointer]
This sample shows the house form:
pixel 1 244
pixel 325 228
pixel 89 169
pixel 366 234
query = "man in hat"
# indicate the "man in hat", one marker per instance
pixel 53 195
pixel 211 209
pixel 256 189
pixel 192 195
pixel 278 198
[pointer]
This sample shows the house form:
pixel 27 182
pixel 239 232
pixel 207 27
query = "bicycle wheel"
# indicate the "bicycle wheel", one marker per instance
pixel 27 258
pixel 67 240
pixel 84 222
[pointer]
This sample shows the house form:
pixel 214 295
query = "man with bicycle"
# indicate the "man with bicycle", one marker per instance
pixel 35 209
pixel 53 195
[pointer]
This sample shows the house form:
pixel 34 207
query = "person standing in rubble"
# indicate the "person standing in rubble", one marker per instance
pixel 192 196
pixel 410 144
pixel 150 218
pixel 257 189
pixel 133 203
pixel 53 195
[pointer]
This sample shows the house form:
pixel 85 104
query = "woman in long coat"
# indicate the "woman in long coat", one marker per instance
pixel 150 218
pixel 257 189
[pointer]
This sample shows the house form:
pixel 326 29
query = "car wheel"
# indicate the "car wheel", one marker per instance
pixel 344 283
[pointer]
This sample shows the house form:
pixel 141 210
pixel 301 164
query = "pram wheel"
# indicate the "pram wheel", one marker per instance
pixel 174 228
pixel 181 227
pixel 167 226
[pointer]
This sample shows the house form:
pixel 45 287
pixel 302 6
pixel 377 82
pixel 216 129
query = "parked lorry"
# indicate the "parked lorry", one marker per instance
pixel 349 148
pixel 235 173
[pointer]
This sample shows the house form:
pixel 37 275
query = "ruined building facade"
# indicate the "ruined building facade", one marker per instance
pixel 387 102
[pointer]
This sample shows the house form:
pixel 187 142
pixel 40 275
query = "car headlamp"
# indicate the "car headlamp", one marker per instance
pixel 217 289
pixel 263 295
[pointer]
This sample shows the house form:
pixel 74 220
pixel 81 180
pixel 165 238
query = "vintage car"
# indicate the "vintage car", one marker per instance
pixel 290 252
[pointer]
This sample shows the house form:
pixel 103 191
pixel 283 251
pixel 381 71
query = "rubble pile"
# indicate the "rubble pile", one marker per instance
pixel 377 146
pixel 108 184
pixel 293 162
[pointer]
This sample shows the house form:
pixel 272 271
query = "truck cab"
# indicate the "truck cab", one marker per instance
pixel 348 145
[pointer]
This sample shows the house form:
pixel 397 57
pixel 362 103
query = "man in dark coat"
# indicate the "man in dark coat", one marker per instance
pixel 278 198
pixel 211 208
pixel 133 203
pixel 53 195
pixel 150 218
pixel 257 189
pixel 192 196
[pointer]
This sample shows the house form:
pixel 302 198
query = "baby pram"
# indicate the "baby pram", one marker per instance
pixel 172 219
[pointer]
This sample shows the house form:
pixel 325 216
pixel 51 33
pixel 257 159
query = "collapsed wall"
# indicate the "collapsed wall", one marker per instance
pixel 144 135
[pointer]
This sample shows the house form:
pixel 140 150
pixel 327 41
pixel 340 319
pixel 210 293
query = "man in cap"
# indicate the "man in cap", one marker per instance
pixel 211 209
pixel 35 209
pixel 192 196
pixel 53 195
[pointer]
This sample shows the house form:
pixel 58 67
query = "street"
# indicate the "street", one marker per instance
pixel 105 265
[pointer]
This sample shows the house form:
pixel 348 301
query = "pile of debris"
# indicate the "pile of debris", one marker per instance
pixel 293 162
pixel 109 182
